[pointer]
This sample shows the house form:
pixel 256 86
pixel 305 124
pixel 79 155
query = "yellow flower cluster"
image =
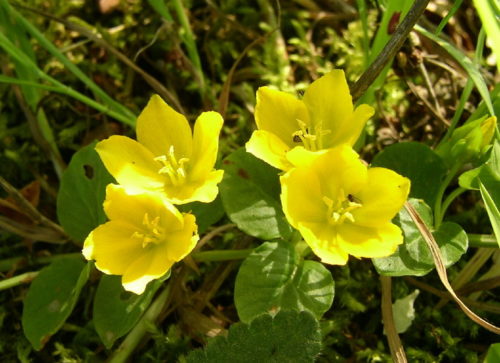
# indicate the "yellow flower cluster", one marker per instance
pixel 340 206
pixel 168 164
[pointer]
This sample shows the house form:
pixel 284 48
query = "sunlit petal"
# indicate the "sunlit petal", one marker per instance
pixel 323 241
pixel 270 148
pixel 112 246
pixel 130 163
pixel 362 241
pixel 159 126
pixel 329 102
pixel 277 112
pixel 382 197
pixel 301 197
pixel 205 145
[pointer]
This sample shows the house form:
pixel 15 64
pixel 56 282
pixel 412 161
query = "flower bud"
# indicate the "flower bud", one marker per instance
pixel 469 141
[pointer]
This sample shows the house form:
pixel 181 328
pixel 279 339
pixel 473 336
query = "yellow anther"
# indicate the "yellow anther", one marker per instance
pixel 152 231
pixel 339 210
pixel 173 168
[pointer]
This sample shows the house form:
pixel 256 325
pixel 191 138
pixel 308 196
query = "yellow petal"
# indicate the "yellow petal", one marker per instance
pixel 329 102
pixel 205 145
pixel 383 196
pixel 148 266
pixel 204 191
pixel 301 157
pixel 336 168
pixel 362 241
pixel 349 131
pixel 131 208
pixel 154 262
pixel 159 126
pixel 130 163
pixel 112 246
pixel 180 244
pixel 301 197
pixel 278 112
pixel 322 239
pixel 270 148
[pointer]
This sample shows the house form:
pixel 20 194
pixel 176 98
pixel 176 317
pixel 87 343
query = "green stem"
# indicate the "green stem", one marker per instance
pixel 17 280
pixel 450 198
pixel 221 255
pixel 482 240
pixel 123 352
pixel 438 215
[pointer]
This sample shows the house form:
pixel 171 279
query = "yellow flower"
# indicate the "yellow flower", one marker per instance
pixel 144 237
pixel 340 206
pixel 168 158
pixel 324 118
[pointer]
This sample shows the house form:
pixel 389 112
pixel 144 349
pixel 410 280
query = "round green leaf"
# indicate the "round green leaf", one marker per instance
pixel 82 192
pixel 417 162
pixel 116 311
pixel 51 298
pixel 250 195
pixel 273 278
pixel 413 257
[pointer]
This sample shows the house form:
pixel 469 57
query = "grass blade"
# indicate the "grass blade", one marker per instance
pixel 465 62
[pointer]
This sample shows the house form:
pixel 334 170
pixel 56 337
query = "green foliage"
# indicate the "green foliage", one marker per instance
pixel 207 214
pixel 486 178
pixel 417 162
pixel 52 297
pixel 413 257
pixel 250 195
pixel 493 354
pixel 288 336
pixel 275 278
pixel 82 192
pixel 72 87
pixel 117 311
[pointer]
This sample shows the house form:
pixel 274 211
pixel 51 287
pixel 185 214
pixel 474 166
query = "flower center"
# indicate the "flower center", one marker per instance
pixel 153 232
pixel 340 209
pixel 310 136
pixel 174 169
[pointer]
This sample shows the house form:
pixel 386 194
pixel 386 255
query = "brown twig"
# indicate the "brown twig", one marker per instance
pixel 397 351
pixel 441 269
pixel 390 49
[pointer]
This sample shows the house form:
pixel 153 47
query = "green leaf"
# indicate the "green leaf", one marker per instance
pixel 488 13
pixel 492 209
pixel 206 213
pixel 493 355
pixel 274 278
pixel 404 312
pixel 250 194
pixel 417 162
pixel 290 336
pixel 413 257
pixel 51 298
pixel 486 178
pixel 116 311
pixel 82 192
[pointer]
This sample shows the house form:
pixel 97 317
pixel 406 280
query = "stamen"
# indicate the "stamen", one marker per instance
pixel 339 210
pixel 173 169
pixel 152 232
pixel 310 135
